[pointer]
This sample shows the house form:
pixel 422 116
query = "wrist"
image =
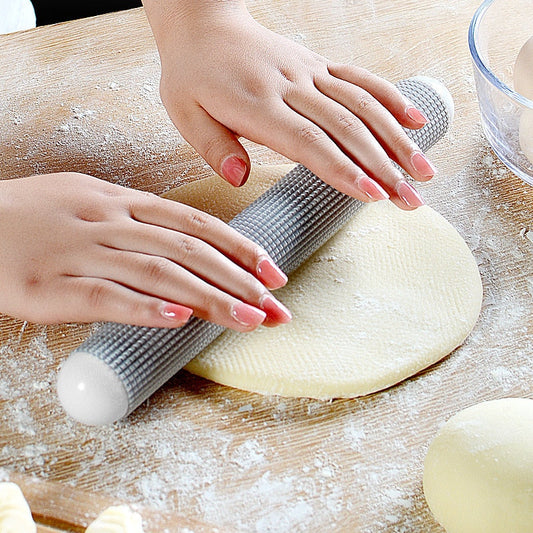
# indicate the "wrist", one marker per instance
pixel 189 15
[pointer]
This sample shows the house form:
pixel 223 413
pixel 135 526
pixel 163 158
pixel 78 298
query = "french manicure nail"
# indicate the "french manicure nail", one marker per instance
pixel 234 170
pixel 270 274
pixel 176 312
pixel 409 194
pixel 275 310
pixel 415 114
pixel 422 165
pixel 371 189
pixel 247 315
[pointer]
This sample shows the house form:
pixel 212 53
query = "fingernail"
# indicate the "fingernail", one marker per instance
pixel 275 310
pixel 373 190
pixel 422 165
pixel 176 313
pixel 409 194
pixel 415 114
pixel 234 170
pixel 270 274
pixel 247 315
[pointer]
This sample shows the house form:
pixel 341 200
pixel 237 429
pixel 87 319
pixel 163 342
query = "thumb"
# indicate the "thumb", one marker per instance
pixel 219 146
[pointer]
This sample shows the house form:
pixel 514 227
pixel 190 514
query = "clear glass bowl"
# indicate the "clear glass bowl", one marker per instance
pixel 498 31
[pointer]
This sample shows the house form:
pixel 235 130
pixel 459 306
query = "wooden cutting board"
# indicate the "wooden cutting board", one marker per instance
pixel 198 456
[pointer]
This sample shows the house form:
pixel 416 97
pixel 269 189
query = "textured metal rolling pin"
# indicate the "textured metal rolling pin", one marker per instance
pixel 120 366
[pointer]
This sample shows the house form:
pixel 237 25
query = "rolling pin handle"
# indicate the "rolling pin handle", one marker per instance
pixel 93 392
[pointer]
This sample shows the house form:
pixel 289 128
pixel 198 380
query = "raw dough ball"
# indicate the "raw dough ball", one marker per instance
pixel 478 473
pixel 392 293
pixel 526 133
pixel 15 514
pixel 523 70
pixel 523 83
pixel 117 519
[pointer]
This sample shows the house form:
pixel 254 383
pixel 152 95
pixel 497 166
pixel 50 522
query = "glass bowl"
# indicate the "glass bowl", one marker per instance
pixel 498 32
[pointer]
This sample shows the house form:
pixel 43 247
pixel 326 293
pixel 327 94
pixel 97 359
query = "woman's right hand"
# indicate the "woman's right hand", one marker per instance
pixel 79 249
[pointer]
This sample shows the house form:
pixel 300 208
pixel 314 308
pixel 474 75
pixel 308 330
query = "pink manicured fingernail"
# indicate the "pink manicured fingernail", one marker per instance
pixel 422 165
pixel 270 274
pixel 234 170
pixel 415 114
pixel 275 310
pixel 247 315
pixel 176 313
pixel 409 194
pixel 372 189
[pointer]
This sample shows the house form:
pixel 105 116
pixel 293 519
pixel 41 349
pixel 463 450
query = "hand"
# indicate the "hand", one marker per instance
pixel 225 76
pixel 78 249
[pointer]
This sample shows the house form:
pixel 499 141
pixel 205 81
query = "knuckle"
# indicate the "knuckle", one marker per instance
pixel 98 294
pixel 213 150
pixel 398 139
pixel 364 102
pixel 190 248
pixel 208 305
pixel 248 252
pixel 351 126
pixel 33 280
pixel 310 134
pixel 342 167
pixel 198 221
pixel 138 309
pixel 384 167
pixel 156 269
pixel 140 200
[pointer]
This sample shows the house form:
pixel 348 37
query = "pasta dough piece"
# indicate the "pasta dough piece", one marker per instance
pixel 392 293
pixel 117 519
pixel 15 514
pixel 478 472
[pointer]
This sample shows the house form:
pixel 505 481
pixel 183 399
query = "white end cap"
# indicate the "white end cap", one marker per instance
pixel 90 391
pixel 441 90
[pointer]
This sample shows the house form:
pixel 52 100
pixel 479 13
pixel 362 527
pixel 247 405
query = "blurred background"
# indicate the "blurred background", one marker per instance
pixel 50 11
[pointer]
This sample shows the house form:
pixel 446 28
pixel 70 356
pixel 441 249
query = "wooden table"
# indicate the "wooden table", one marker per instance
pixel 198 456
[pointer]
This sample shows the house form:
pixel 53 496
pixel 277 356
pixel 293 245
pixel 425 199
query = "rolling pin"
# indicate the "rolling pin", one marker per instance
pixel 120 366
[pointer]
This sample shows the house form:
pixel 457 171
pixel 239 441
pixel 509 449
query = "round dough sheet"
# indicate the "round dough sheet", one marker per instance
pixel 392 293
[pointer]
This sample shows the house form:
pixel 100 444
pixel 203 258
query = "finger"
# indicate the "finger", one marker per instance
pixel 218 145
pixel 157 212
pixel 349 133
pixel 86 299
pixel 301 140
pixel 381 122
pixel 209 302
pixel 164 279
pixel 385 92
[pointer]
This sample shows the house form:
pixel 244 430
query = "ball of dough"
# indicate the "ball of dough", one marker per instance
pixel 523 70
pixel 526 133
pixel 478 472
pixel 117 519
pixel 15 514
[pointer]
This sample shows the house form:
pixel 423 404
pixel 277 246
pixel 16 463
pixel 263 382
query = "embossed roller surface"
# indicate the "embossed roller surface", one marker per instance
pixel 302 213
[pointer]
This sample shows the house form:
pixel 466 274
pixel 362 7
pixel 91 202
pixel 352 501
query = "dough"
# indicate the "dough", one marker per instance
pixel 526 133
pixel 523 83
pixel 523 70
pixel 392 293
pixel 478 472
pixel 15 514
pixel 117 519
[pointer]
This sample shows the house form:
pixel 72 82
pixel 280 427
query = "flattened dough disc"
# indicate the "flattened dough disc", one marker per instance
pixel 392 293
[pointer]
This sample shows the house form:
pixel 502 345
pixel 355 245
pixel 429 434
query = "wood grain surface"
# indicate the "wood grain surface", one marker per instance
pixel 197 456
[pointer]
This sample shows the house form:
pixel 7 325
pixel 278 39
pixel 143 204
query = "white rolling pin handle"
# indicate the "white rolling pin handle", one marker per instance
pixel 120 366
